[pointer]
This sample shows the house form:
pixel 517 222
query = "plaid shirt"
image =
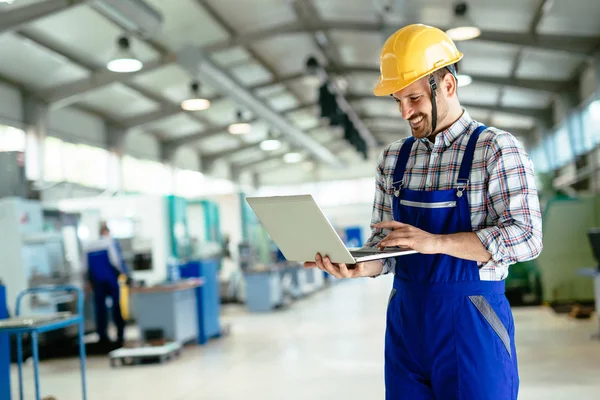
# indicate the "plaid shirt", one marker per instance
pixel 505 210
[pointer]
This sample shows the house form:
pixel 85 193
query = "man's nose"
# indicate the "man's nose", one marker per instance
pixel 406 110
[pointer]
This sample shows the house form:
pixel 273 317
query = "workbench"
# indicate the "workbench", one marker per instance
pixel 170 307
pixel 273 286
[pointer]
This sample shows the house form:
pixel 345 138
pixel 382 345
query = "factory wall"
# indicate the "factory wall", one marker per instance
pixel 77 126
pixel 186 158
pixel 143 145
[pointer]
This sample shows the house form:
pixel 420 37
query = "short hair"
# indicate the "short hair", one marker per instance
pixel 104 228
pixel 440 73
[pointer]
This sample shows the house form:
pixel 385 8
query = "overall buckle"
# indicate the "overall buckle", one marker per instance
pixel 461 186
pixel 397 191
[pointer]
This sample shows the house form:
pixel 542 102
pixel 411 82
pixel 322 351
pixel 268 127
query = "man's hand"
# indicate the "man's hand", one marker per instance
pixel 337 270
pixel 408 236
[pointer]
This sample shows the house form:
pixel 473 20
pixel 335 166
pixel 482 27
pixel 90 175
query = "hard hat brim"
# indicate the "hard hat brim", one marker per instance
pixel 388 87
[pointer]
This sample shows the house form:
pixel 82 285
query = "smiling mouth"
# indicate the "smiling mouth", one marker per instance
pixel 414 123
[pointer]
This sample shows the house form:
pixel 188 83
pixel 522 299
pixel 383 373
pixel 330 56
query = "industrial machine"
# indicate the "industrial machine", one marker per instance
pixel 33 257
pixel 566 222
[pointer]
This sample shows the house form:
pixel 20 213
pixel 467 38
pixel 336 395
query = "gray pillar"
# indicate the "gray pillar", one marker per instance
pixel 35 114
pixel 115 143
pixel 235 173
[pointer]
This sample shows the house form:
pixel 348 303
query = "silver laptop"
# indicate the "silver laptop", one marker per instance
pixel 301 230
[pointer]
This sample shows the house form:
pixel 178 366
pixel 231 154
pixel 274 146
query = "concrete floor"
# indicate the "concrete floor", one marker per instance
pixel 327 346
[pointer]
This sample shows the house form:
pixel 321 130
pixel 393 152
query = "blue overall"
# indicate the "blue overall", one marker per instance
pixel 449 335
pixel 103 277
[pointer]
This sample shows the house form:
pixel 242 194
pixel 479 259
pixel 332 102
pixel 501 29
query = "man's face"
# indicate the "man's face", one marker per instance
pixel 415 106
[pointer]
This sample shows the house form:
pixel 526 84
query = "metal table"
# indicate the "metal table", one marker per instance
pixel 36 324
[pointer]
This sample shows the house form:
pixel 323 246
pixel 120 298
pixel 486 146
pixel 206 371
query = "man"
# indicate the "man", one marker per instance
pixel 104 265
pixel 464 196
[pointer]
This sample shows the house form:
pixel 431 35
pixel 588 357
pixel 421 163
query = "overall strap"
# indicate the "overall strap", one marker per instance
pixel 402 160
pixel 467 161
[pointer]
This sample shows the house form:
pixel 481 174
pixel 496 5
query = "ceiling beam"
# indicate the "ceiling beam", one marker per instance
pixel 335 144
pixel 308 15
pixel 542 85
pixel 16 18
pixel 63 95
pixel 208 133
pixel 402 123
pixel 169 105
pixel 538 15
pixel 212 157
pixel 581 46
pixel 231 31
pixel 536 113
pixel 168 108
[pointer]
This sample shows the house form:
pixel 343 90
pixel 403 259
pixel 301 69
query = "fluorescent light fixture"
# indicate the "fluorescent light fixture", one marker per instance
pixel 463 33
pixel 462 27
pixel 124 61
pixel 270 145
pixel 291 158
pixel 239 128
pixel 7 1
pixel 195 104
pixel 464 80
pixel 124 65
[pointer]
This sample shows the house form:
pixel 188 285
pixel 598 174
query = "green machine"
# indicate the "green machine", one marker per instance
pixel 181 245
pixel 255 235
pixel 567 249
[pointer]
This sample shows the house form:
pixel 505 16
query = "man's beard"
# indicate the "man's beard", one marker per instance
pixel 423 129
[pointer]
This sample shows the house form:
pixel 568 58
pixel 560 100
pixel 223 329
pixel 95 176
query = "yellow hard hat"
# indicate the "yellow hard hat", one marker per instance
pixel 412 53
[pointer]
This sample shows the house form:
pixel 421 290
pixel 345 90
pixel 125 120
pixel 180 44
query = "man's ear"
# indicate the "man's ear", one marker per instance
pixel 450 85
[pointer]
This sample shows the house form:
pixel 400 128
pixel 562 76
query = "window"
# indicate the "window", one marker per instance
pixel 591 125
pixel 85 165
pixel 562 145
pixel 53 156
pixel 146 176
pixel 11 139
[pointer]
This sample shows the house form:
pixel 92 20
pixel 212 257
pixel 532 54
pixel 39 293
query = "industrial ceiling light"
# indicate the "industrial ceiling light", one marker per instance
pixel 195 102
pixel 464 80
pixel 124 61
pixel 239 128
pixel 292 158
pixel 270 143
pixel 462 27
pixel 314 72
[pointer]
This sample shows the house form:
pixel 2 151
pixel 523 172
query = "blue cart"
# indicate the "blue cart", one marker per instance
pixel 34 325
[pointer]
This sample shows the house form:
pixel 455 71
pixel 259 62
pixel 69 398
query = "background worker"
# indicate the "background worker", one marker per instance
pixel 464 196
pixel 104 265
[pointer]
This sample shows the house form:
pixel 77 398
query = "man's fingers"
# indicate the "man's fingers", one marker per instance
pixel 405 242
pixel 344 271
pixel 395 235
pixel 330 268
pixel 390 225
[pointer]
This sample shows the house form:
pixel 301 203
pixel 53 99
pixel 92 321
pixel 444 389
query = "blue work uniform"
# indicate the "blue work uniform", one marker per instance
pixel 104 265
pixel 449 334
